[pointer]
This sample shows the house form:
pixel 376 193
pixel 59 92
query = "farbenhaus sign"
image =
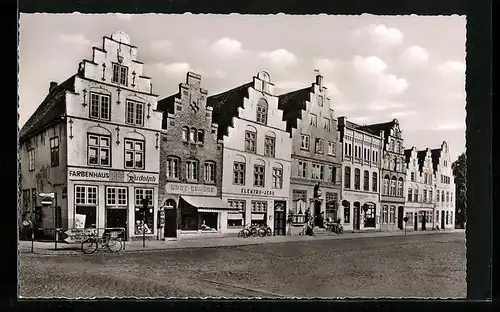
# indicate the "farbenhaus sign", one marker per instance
pixel 88 174
pixel 191 189
pixel 257 192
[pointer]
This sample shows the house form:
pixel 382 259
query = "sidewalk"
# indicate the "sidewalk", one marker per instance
pixel 47 248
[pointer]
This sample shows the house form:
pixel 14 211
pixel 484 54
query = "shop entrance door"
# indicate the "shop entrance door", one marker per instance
pixel 442 219
pixel 424 215
pixel 415 222
pixel 317 213
pixel 400 217
pixel 279 217
pixel 170 222
pixel 117 218
pixel 356 217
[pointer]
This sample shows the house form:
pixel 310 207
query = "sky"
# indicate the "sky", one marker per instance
pixel 376 68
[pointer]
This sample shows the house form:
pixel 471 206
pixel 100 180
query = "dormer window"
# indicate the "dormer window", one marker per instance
pixel 262 111
pixel 120 74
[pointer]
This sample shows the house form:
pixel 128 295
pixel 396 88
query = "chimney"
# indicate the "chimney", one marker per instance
pixel 53 84
pixel 319 80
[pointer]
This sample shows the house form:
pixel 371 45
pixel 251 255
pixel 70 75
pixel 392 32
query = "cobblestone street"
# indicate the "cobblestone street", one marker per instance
pixel 410 266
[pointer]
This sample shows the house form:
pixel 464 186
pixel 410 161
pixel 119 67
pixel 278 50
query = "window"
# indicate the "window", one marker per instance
pixel 173 167
pixel 26 200
pixel 277 178
pixel 296 208
pixel 366 154
pixel 332 174
pixel 347 214
pixel 85 195
pixel 385 214
pixel 386 185
pixel 392 215
pixel 185 133
pixel 269 146
pixel 258 175
pixel 320 101
pixel 319 146
pixel 393 186
pixel 331 148
pixel 302 170
pixel 437 216
pixel 192 135
pixel 135 113
pixel 250 141
pixel 304 141
pixel 31 159
pixel 409 215
pixel 430 196
pixel 54 151
pixel 313 120
pixel 375 156
pixel 100 106
pixel 437 196
pixel 410 194
pixel 451 217
pixel 442 196
pixel 331 205
pixel 236 219
pixel 347 177
pixel 425 196
pixel 357 178
pixel 356 155
pixel 120 74
pixel 259 212
pixel 116 196
pixel 201 136
pixel 451 197
pixel 317 172
pixel 400 187
pixel 326 124
pixel 262 111
pixel 134 154
pixel 192 170
pixel 413 177
pixel 447 217
pixel 374 182
pixel 144 218
pixel 415 196
pixel 366 181
pixel 209 172
pixel 238 173
pixel 99 150
pixel 447 197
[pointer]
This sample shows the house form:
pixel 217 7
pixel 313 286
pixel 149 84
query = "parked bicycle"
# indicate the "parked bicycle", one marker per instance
pixel 335 227
pixel 108 241
pixel 255 230
pixel 245 232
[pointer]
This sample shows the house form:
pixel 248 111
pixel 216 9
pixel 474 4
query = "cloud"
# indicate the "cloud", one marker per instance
pixel 385 105
pixel 174 68
pixel 360 119
pixel 325 64
pixel 280 57
pixel 380 34
pixel 403 114
pixel 450 126
pixel 370 64
pixel 415 55
pixel 290 85
pixel 78 39
pixel 161 47
pixel 391 85
pixel 226 46
pixel 331 89
pixel 452 67
pixel 345 106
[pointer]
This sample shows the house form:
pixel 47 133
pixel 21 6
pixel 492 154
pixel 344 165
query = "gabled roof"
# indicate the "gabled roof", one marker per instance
pixel 435 154
pixel 292 104
pixel 49 110
pixel 376 128
pixel 421 158
pixel 225 107
pixel 166 106
pixel 408 155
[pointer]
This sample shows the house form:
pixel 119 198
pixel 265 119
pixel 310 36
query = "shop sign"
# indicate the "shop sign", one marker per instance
pixel 191 189
pixel 88 174
pixel 77 235
pixel 139 177
pixel 257 192
pixel 356 195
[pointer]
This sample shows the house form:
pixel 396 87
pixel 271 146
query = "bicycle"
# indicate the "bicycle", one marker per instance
pixel 108 240
pixel 245 232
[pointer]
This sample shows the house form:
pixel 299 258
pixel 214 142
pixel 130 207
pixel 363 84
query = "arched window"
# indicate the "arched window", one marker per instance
pixel 262 111
pixel 374 182
pixel 347 177
pixel 410 194
pixel 393 186
pixel 386 185
pixel 400 187
pixel 385 214
pixel 357 179
pixel 366 181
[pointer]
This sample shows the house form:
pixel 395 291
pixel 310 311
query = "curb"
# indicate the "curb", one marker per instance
pixel 41 251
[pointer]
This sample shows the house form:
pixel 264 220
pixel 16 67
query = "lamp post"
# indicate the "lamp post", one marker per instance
pixel 145 203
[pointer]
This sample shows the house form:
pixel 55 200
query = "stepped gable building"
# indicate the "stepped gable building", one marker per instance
pixel 419 189
pixel 316 154
pixel 94 143
pixel 444 187
pixel 190 164
pixel 256 155
pixel 393 174
pixel 360 197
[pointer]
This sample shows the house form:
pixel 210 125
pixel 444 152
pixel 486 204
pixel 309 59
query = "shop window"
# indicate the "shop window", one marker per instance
pixel 90 213
pixel 385 214
pixel 262 107
pixel 302 170
pixel 374 182
pixel 259 213
pixel 370 216
pixel 357 179
pixel 134 154
pixel 409 215
pixel 236 219
pixel 392 215
pixel 135 113
pixel 31 159
pixel 100 106
pixel 99 150
pixel 209 171
pixel 347 177
pixel 54 151
pixel 304 141
pixel 259 175
pixel 173 164
pixel 239 173
pixel 144 217
pixel 116 196
pixel 277 178
pixel 347 213
pixel 299 198
pixel 366 181
pixel 208 221
pixel 192 170
pixel 318 171
pixel 250 141
pixel 331 206
pixel 269 146
pixel 120 74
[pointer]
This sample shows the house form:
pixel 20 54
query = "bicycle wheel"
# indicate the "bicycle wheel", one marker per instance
pixel 240 233
pixel 269 232
pixel 245 233
pixel 114 245
pixel 254 232
pixel 261 232
pixel 89 246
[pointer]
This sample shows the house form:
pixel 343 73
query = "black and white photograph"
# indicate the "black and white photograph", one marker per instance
pixel 242 156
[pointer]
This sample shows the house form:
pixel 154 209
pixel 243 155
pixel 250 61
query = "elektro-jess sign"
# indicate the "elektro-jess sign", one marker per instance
pixel 251 191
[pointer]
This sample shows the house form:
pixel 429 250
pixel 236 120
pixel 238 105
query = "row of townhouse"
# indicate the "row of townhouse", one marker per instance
pixel 102 142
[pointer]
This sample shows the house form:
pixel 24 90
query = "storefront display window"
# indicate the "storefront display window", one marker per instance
pixel 208 221
pixel 144 218
pixel 370 215
pixel 86 204
pixel 347 212
pixel 236 219
pixel 331 206
pixel 259 213
pixel 409 215
pixel 298 206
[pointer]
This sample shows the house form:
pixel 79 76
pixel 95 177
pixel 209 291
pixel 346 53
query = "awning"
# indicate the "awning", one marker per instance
pixel 213 204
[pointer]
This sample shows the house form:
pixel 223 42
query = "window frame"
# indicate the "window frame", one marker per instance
pixel 134 153
pixel 277 182
pixel 99 148
pixel 319 146
pixel 331 148
pixel 263 113
pixel 100 114
pixel 269 146
pixel 120 78
pixel 171 169
pixel 54 151
pixel 319 169
pixel 86 198
pixel 134 115
pixel 326 124
pixel 374 182
pixel 366 181
pixel 237 171
pixel 249 140
pixel 212 166
pixel 116 196
pixel 347 177
pixel 302 171
pixel 31 159
pixel 313 120
pixel 256 173
pixel 192 170
pixel 302 141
